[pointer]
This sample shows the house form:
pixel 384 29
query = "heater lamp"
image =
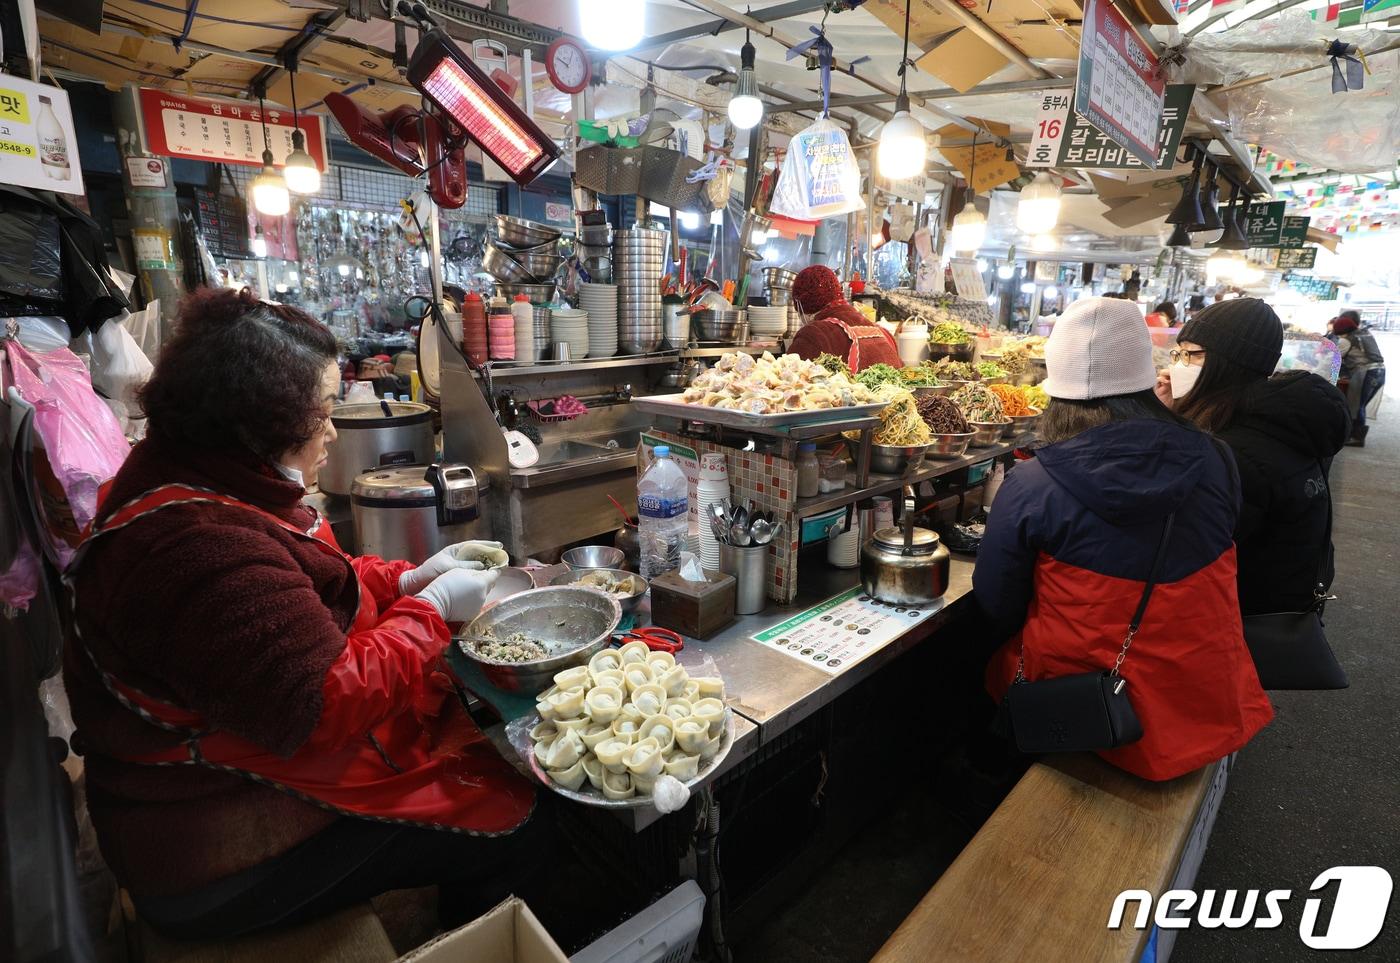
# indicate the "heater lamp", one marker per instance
pixel 463 92
pixel 391 136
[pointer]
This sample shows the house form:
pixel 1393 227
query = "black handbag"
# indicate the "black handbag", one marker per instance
pixel 1087 711
pixel 1290 650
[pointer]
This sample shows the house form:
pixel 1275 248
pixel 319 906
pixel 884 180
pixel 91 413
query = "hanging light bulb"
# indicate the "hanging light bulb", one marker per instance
pixel 903 149
pixel 1028 287
pixel 1043 242
pixel 745 109
pixel 981 266
pixel 259 242
pixel 612 24
pixel 969 228
pixel 1051 291
pixel 299 169
pixel 1220 266
pixel 269 189
pixel 1038 210
pixel 1006 271
pixel 689 220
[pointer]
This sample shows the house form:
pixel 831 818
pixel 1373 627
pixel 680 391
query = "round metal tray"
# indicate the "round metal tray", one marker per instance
pixel 589 796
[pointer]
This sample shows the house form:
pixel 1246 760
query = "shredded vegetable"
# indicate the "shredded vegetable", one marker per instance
pixel 949 332
pixel 1015 358
pixel 833 363
pixel 1013 400
pixel 950 370
pixel 900 423
pixel 1036 397
pixel 978 403
pixel 989 369
pixel 942 416
pixel 879 374
pixel 921 377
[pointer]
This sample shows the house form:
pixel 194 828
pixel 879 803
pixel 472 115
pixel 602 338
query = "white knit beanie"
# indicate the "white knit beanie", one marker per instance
pixel 1098 348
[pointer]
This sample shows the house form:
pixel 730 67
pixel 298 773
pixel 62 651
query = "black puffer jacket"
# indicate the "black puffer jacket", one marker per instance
pixel 1284 436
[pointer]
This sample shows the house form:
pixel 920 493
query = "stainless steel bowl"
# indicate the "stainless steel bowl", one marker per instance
pixel 629 604
pixel 958 352
pixel 894 460
pixel 548 247
pixel 521 233
pixel 927 391
pixel 541 266
pixel 776 277
pixel 986 433
pixel 946 447
pixel 717 325
pixel 994 381
pixel 1022 423
pixel 592 556
pixel 505 267
pixel 639 344
pixel 537 293
pixel 571 623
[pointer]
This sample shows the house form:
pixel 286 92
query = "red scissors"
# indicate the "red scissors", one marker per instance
pixel 656 639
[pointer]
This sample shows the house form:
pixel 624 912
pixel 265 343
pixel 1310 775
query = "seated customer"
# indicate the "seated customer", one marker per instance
pixel 834 326
pixel 1071 539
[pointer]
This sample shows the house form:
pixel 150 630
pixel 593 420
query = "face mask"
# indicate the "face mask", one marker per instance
pixel 1183 378
pixel 291 474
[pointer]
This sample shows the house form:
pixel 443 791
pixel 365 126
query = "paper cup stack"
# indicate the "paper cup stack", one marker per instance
pixel 713 486
pixel 768 322
pixel 843 550
pixel 600 301
pixel 570 326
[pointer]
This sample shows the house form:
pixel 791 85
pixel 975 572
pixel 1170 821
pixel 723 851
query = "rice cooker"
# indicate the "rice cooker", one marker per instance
pixel 410 512
pixel 375 435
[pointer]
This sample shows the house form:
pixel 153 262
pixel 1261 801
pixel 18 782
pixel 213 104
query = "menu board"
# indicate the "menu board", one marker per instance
pixel 1061 138
pixel 1119 88
pixel 1290 258
pixel 224 130
pixel 843 630
pixel 223 220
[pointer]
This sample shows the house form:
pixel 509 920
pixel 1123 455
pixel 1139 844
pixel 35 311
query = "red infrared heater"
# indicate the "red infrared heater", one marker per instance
pixel 461 90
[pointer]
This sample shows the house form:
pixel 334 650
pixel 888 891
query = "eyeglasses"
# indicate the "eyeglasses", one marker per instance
pixel 1183 356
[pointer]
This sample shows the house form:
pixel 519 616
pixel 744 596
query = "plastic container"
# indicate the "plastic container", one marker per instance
pixel 523 316
pixel 833 473
pixel 475 339
pixel 500 328
pixel 667 931
pixel 662 514
pixel 809 470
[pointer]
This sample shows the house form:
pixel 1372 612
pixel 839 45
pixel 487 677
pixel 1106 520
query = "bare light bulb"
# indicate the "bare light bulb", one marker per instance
pixel 1006 271
pixel 903 148
pixel 969 229
pixel 1028 287
pixel 299 169
pixel 612 24
pixel 269 190
pixel 259 242
pixel 745 109
pixel 1038 210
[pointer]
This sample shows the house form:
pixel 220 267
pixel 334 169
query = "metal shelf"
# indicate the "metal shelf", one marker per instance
pixel 507 369
pixel 719 352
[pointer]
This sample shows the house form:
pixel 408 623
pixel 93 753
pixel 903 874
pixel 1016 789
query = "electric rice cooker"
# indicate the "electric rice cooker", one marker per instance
pixel 412 511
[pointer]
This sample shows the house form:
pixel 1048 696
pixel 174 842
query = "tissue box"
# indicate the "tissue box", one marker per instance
pixel 696 609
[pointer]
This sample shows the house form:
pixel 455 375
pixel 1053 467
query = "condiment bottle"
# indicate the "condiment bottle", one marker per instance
pixel 524 314
pixel 808 470
pixel 500 324
pixel 474 338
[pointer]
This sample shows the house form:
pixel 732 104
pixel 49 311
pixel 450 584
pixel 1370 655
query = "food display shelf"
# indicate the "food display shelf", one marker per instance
pixel 512 369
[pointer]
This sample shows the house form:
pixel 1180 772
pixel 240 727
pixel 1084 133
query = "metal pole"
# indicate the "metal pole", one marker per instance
pixel 435 246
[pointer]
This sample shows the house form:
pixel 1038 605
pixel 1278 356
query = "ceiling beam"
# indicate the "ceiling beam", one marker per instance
pixel 782 11
pixel 317 29
pixel 944 93
pixel 999 43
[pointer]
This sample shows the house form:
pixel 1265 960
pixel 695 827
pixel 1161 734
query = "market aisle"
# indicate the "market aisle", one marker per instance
pixel 1320 787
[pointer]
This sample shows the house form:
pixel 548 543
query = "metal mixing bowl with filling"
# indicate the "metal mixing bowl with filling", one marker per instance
pixel 568 624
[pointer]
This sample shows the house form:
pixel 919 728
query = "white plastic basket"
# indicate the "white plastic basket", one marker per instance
pixel 667 931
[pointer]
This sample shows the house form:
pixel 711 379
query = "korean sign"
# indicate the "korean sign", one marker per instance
pixel 1263 224
pixel 1061 138
pixel 1297 257
pixel 1295 231
pixel 223 130
pixel 38 147
pixel 1119 89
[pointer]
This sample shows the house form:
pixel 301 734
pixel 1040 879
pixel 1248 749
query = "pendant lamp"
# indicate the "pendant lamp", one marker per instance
pixel 1180 236
pixel 299 170
pixel 259 242
pixel 903 149
pixel 1210 202
pixel 269 189
pixel 1232 238
pixel 612 24
pixel 969 227
pixel 745 109
pixel 1188 209
pixel 1038 210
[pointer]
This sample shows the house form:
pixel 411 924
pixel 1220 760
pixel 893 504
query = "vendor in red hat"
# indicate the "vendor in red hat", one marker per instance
pixel 834 326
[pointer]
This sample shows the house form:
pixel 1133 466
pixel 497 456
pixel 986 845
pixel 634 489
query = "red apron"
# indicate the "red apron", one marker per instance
pixel 857 334
pixel 430 767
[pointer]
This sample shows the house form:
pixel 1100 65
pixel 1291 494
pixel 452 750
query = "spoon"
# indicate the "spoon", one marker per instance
pixel 719 529
pixel 738 534
pixel 762 531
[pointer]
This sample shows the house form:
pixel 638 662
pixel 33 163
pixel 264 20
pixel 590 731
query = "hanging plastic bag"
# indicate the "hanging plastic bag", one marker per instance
pixel 118 365
pixel 78 443
pixel 820 177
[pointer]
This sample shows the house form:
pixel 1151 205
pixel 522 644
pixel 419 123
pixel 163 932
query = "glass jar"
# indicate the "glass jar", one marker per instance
pixel 808 470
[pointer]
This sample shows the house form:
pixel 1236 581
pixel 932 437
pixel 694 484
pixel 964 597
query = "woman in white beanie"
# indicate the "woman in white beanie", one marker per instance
pixel 1073 535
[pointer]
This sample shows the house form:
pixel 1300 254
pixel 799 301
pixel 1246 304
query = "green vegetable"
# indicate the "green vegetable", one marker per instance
pixel 952 370
pixel 949 332
pixel 880 374
pixel 921 377
pixel 990 369
pixel 833 363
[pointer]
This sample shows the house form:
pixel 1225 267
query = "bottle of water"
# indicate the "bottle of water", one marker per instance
pixel 662 510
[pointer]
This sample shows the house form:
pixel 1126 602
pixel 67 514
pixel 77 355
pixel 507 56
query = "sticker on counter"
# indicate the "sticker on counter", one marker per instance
pixel 843 630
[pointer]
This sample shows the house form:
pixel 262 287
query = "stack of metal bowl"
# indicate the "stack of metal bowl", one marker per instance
pixel 595 251
pixel 524 252
pixel 639 259
pixel 779 283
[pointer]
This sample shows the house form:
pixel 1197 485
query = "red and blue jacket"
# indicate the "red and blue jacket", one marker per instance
pixel 1069 544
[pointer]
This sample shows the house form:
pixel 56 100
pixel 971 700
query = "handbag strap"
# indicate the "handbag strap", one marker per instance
pixel 1321 586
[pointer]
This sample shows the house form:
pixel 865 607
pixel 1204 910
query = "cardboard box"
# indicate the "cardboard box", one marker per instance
pixel 510 933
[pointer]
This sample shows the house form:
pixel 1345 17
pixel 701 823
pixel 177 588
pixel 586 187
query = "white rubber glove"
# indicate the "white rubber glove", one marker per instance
pixel 459 594
pixel 473 556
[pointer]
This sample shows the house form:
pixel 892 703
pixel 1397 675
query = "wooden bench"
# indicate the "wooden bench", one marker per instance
pixel 1039 879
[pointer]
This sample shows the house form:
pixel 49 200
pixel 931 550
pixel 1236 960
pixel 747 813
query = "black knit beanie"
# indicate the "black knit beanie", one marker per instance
pixel 1244 330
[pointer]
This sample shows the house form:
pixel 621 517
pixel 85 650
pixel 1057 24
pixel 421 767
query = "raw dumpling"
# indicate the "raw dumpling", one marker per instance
pixel 638 674
pixel 594 770
pixel 683 767
pixel 635 651
pixel 604 702
pixel 594 734
pixel 567 704
pixel 660 661
pixel 649 699
pixel 610 753
pixel 617 785
pixel 570 778
pixel 673 680
pixel 712 711
pixel 564 751
pixel 644 759
pixel 677 709
pixel 604 660
pixel 692 734
pixel 576 678
pixel 662 729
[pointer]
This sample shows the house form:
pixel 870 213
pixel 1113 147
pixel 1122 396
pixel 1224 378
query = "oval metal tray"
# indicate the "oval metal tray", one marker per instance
pixel 589 796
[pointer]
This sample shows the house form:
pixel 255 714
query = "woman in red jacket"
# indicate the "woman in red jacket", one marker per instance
pixel 834 326
pixel 265 732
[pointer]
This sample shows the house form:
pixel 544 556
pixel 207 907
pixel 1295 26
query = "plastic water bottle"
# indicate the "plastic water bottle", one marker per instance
pixel 662 510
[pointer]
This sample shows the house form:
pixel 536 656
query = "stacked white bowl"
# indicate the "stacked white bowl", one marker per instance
pixel 768 322
pixel 843 550
pixel 600 301
pixel 712 486
pixel 570 325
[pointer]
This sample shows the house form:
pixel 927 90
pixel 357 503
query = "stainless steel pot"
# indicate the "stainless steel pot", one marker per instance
pixel 906 565
pixel 414 511
pixel 372 437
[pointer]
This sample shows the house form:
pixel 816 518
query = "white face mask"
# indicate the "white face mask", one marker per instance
pixel 1184 378
pixel 291 474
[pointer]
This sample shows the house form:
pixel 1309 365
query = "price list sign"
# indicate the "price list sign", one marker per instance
pixel 1297 258
pixel 1061 138
pixel 1119 89
pixel 223 130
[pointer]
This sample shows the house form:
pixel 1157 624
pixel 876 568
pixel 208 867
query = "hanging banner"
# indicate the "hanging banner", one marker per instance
pixel 967 280
pixel 1119 88
pixel 1061 138
pixel 1295 231
pixel 1263 223
pixel 223 130
pixel 1379 10
pixel 985 166
pixel 913 189
pixel 38 148
pixel 1297 258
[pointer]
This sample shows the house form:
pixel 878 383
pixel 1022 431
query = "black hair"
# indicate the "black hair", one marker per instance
pixel 1167 308
pixel 1354 315
pixel 1214 400
pixel 1065 418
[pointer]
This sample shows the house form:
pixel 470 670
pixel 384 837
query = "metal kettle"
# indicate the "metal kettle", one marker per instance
pixel 905 565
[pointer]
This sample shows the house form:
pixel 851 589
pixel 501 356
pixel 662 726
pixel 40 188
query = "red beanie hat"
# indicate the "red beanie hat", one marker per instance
pixel 1343 325
pixel 815 288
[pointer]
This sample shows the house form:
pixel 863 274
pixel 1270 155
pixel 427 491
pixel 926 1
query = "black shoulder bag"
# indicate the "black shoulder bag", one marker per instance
pixel 1290 650
pixel 1088 711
